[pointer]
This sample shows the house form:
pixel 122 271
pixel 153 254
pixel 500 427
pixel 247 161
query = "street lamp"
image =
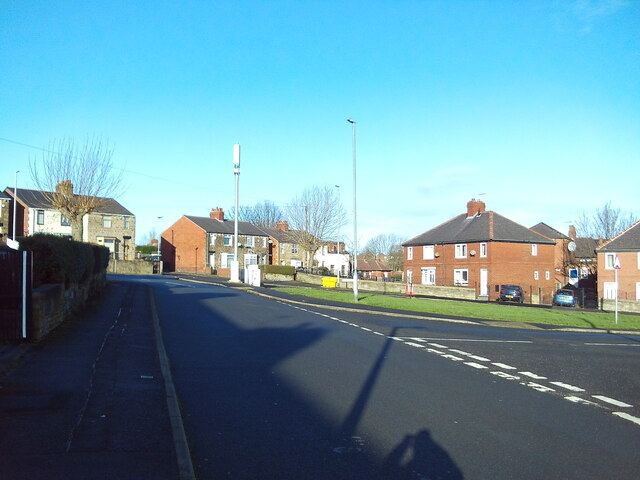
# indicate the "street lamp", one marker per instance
pixel 235 264
pixel 338 264
pixel 159 238
pixel 15 211
pixel 355 217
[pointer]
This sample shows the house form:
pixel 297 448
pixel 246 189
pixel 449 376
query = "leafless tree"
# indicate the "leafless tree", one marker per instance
pixel 606 222
pixel 316 215
pixel 385 247
pixel 76 178
pixel 262 214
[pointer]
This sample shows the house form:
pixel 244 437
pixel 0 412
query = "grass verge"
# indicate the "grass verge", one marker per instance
pixel 488 311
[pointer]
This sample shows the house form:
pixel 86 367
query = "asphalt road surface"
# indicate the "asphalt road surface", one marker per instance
pixel 275 390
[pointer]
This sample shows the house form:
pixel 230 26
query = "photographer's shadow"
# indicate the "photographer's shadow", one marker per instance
pixel 426 460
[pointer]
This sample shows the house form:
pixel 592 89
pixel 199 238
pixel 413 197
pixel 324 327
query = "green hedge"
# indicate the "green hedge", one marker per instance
pixel 278 269
pixel 60 260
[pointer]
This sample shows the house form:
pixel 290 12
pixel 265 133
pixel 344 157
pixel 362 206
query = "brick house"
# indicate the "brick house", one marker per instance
pixel 481 249
pixel 373 269
pixel 284 248
pixel 338 263
pixel 205 244
pixel 625 247
pixel 561 257
pixel 111 224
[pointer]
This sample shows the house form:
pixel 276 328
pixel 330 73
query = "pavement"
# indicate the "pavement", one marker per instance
pixel 90 400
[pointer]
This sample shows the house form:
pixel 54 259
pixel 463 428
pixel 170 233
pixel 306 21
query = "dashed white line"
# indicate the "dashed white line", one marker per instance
pixel 626 416
pixel 413 344
pixel 538 387
pixel 437 345
pixel 505 375
pixel 580 400
pixel 532 375
pixel 567 386
pixel 502 365
pixel 450 357
pixel 476 365
pixel 612 401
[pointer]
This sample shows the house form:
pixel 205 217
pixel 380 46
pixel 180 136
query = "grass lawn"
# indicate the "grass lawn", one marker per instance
pixel 565 317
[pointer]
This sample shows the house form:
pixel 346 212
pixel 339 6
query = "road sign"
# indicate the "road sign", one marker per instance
pixel 616 264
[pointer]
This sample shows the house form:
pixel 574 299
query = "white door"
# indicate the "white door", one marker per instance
pixel 484 281
pixel 428 276
pixel 637 290
pixel 610 290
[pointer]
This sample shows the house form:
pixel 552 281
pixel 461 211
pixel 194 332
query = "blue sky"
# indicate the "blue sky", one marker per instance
pixel 532 106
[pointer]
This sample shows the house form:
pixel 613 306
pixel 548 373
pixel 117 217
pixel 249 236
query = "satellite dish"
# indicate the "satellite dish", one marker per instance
pixel 571 246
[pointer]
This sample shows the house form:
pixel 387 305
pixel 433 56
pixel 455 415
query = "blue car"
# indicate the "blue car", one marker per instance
pixel 565 298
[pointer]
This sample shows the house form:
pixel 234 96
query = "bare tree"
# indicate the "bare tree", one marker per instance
pixel 262 214
pixel 316 215
pixel 76 178
pixel 606 222
pixel 386 247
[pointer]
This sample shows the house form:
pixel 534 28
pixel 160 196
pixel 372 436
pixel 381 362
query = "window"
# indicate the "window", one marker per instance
pixel 428 252
pixel 264 242
pixel 64 221
pixel 610 290
pixel 250 240
pixel 228 240
pixel 126 222
pixel 212 239
pixel 281 249
pixel 40 219
pixel 251 259
pixel 225 260
pixel 428 276
pixel 547 275
pixel 106 221
pixel 294 249
pixel 461 250
pixel 409 253
pixel 534 250
pixel 609 260
pixel 535 275
pixel 409 275
pixel 638 260
pixel 483 249
pixel 461 277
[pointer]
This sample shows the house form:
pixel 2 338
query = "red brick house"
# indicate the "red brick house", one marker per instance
pixel 481 249
pixel 205 244
pixel 372 269
pixel 625 249
pixel 562 253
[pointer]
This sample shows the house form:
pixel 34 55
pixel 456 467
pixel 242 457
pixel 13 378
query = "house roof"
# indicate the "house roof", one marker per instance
pixel 586 247
pixel 628 241
pixel 212 225
pixel 4 196
pixel 40 199
pixel 549 232
pixel 365 265
pixel 282 236
pixel 482 227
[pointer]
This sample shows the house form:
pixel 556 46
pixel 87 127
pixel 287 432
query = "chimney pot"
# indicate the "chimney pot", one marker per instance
pixel 475 207
pixel 217 214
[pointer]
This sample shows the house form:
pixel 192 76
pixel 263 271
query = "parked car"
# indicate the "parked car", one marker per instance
pixel 565 298
pixel 511 293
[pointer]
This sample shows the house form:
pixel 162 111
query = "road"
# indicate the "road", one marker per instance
pixel 272 389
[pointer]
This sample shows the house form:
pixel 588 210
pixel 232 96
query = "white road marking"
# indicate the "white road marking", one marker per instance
pixel 437 345
pixel 502 365
pixel 612 401
pixel 470 355
pixel 580 400
pixel 613 344
pixel 505 375
pixel 481 340
pixel 475 365
pixel 378 333
pixel 412 344
pixel 532 375
pixel 396 338
pixel 418 339
pixel 365 329
pixel 538 387
pixel 626 416
pixel 567 386
pixel 450 357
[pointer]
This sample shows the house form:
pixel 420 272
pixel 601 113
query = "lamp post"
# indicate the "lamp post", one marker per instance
pixel 338 264
pixel 15 211
pixel 159 238
pixel 355 217
pixel 235 264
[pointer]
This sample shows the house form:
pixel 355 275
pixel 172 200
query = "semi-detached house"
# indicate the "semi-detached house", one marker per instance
pixel 621 254
pixel 481 249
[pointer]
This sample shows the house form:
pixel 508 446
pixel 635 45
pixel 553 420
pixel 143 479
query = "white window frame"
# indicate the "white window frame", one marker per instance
pixel 547 275
pixel 294 249
pixel 40 217
pixel 228 240
pixel 459 275
pixel 264 242
pixel 126 223
pixel 638 260
pixel 250 259
pixel 428 275
pixel 536 275
pixel 106 221
pixel 226 259
pixel 212 239
pixel 251 241
pixel 483 249
pixel 534 250
pixel 610 290
pixel 461 250
pixel 609 260
pixel 409 253
pixel 428 252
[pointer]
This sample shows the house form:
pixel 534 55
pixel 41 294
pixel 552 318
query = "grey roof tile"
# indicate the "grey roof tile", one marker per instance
pixel 629 240
pixel 39 199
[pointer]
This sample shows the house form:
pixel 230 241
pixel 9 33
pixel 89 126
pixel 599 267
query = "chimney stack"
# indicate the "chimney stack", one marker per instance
pixel 474 207
pixel 572 232
pixel 217 214
pixel 283 225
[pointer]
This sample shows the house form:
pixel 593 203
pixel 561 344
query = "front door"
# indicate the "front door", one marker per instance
pixel 484 282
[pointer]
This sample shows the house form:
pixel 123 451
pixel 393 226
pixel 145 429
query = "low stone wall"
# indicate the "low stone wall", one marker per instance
pixel 308 278
pixel 630 306
pixel 130 267
pixel 53 304
pixel 276 277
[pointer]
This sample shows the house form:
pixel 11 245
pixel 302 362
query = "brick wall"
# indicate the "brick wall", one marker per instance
pixel 628 275
pixel 184 248
pixel 121 226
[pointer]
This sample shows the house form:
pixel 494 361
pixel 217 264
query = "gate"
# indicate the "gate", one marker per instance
pixel 15 294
